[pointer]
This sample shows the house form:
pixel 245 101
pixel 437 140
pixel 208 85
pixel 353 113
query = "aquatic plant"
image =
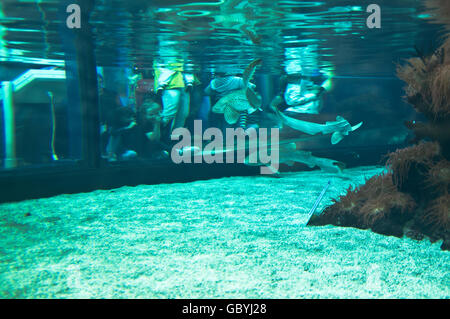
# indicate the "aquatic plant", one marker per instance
pixel 415 189
pixel 439 11
pixel 377 204
pixel 412 197
pixel 440 90
pixel 384 200
pixel 428 82
pixel 446 51
pixel 414 74
pixel 437 216
pixel 420 155
pixel 438 177
pixel 342 212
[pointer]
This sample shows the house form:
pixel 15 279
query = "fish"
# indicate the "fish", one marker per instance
pixel 338 128
pixel 289 154
pixel 240 100
pixel 325 164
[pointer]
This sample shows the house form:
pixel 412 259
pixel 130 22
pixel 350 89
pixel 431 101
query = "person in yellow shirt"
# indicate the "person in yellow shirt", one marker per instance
pixel 173 85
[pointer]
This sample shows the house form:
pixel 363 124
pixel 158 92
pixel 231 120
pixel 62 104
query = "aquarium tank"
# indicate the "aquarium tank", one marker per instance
pixel 221 149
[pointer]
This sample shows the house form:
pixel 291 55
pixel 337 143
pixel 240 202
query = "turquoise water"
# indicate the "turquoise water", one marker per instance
pixel 66 93
pixel 325 34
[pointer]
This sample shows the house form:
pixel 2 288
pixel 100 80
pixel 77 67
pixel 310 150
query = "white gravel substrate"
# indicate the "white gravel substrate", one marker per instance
pixel 239 237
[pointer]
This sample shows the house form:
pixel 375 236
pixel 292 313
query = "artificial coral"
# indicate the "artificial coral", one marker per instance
pixel 377 205
pixel 438 177
pixel 428 83
pixel 439 10
pixel 437 216
pixel 415 157
pixel 412 198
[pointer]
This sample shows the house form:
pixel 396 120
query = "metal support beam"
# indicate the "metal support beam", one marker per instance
pixel 87 74
pixel 9 125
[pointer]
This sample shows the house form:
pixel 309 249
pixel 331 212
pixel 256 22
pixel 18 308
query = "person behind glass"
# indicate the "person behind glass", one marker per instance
pixel 108 102
pixel 120 144
pixel 224 83
pixel 301 93
pixel 196 96
pixel 117 122
pixel 149 129
pixel 148 110
pixel 142 84
pixel 174 87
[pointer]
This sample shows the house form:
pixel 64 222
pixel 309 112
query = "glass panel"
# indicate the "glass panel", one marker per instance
pixel 347 103
pixel 41 119
pixel 330 75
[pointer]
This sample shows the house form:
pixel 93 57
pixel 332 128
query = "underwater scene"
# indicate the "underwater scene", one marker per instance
pixel 219 149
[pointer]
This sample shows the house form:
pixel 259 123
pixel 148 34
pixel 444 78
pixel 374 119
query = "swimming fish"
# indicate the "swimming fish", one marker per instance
pixel 338 129
pixel 289 154
pixel 240 100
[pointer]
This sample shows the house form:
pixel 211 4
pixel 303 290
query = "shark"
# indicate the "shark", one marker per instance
pixel 247 98
pixel 289 154
pixel 338 128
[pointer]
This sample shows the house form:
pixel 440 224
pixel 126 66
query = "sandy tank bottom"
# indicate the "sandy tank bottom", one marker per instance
pixel 239 237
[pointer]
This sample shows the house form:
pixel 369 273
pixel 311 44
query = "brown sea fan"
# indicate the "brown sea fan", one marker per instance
pixel 428 82
pixel 414 74
pixel 440 91
pixel 400 161
pixel 439 10
pixel 342 208
pixel 446 51
pixel 383 199
pixel 438 176
pixel 437 215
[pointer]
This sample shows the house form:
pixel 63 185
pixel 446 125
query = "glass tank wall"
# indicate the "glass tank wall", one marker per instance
pixel 41 119
pixel 143 49
pixel 347 65
pixel 236 126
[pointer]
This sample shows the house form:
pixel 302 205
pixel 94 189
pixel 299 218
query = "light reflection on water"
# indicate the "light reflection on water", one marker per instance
pixel 209 34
